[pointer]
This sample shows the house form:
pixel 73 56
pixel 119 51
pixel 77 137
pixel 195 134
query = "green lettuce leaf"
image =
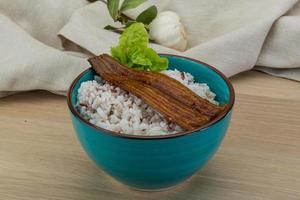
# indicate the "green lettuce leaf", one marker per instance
pixel 132 50
pixel 158 63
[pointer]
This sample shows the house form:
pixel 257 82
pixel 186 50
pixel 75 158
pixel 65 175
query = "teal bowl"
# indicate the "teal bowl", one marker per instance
pixel 156 162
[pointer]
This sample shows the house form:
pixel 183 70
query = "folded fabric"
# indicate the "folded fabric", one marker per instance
pixel 31 56
pixel 45 43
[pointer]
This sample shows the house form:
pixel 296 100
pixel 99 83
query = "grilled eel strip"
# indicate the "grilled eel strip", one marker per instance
pixel 171 109
pixel 164 94
pixel 161 82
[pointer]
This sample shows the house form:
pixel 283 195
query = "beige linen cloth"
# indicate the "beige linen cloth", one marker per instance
pixel 44 43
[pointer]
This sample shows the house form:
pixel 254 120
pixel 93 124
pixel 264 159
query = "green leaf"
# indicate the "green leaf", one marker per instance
pixel 148 15
pixel 157 63
pixel 109 27
pixel 132 50
pixel 138 58
pixel 113 7
pixel 119 54
pixel 113 29
pixel 134 36
pixel 129 4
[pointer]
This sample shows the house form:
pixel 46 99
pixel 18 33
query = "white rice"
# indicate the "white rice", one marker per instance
pixel 112 108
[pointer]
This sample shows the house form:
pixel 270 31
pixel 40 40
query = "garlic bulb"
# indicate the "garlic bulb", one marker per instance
pixel 167 30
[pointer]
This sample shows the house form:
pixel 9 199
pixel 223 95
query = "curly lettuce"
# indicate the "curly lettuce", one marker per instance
pixel 133 52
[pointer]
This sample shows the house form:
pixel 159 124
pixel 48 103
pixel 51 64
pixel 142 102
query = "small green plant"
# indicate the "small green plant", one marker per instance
pixel 116 12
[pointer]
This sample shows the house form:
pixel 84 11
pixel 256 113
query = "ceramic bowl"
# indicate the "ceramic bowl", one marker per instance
pixel 156 162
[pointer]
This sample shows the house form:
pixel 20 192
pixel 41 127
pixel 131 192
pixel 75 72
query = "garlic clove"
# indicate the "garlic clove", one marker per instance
pixel 170 15
pixel 167 30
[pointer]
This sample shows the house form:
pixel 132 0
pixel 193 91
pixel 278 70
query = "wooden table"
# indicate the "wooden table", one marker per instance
pixel 41 158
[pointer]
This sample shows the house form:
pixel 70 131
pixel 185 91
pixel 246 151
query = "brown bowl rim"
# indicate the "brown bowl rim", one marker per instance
pixel 143 137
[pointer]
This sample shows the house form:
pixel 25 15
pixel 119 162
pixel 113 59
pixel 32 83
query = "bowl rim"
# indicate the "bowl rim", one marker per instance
pixel 155 137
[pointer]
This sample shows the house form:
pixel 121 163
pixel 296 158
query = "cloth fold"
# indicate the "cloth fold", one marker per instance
pixel 45 43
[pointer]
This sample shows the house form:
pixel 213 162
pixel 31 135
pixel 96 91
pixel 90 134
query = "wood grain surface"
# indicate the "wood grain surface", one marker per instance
pixel 41 158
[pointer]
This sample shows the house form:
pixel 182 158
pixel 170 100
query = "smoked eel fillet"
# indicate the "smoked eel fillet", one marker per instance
pixel 166 95
pixel 160 81
pixel 173 110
